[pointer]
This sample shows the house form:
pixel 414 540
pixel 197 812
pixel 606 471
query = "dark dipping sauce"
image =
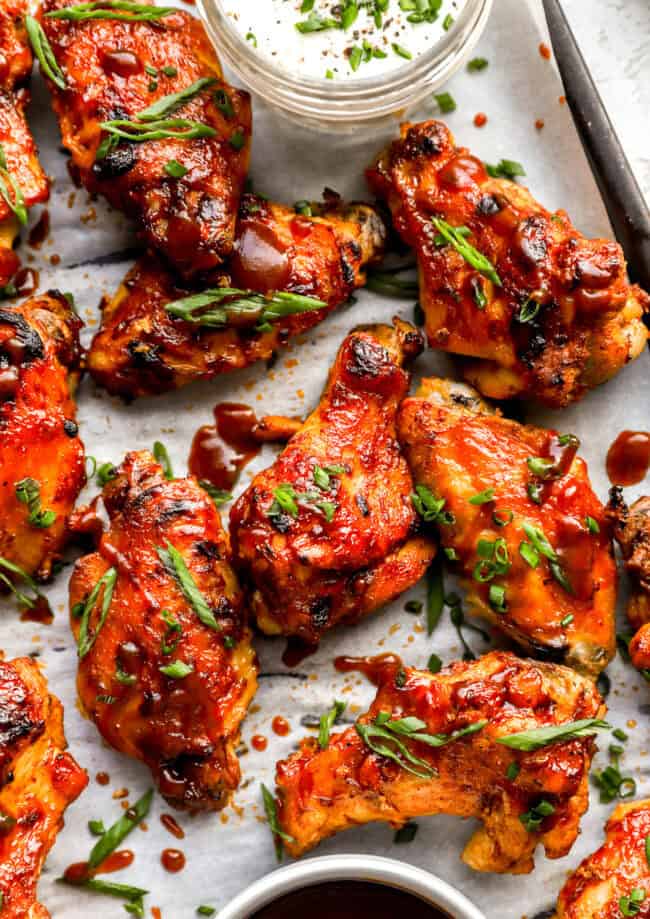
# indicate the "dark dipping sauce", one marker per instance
pixel 220 451
pixel 349 900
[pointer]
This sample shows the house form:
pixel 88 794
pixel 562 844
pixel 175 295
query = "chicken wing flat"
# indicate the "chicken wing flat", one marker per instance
pixel 41 454
pixel 537 309
pixel 615 875
pixel 459 767
pixel 38 780
pixel 22 181
pixel 517 513
pixel 142 349
pixel 166 669
pixel 182 191
pixel 328 532
pixel 632 531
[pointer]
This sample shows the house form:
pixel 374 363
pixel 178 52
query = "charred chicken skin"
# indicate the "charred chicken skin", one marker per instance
pixel 38 780
pixel 537 309
pixel 605 882
pixel 41 454
pixel 328 532
pixel 22 181
pixel 142 349
pixel 522 798
pixel 182 193
pixel 632 531
pixel 516 511
pixel 166 669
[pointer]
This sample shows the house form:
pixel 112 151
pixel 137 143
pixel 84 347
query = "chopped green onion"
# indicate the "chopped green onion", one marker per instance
pixel 122 10
pixel 592 525
pixel 231 302
pixel 477 64
pixel 175 565
pixel 435 595
pixel 505 169
pixel 455 236
pixel 86 638
pixel 483 497
pixel 567 620
pixel 175 169
pixel 43 51
pixel 434 664
pixel 272 816
pixel 631 905
pixel 529 554
pixel 162 458
pixel 537 738
pixel 502 516
pixel 513 771
pixel 497 598
pixel 534 818
pixel 446 102
pixel 11 192
pixel 327 721
pixel 177 670
pixel 116 833
pixel 401 51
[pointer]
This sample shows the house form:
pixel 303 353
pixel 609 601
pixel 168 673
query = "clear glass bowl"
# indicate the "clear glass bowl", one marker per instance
pixel 352 104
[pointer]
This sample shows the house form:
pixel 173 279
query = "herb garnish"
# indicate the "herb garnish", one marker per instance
pixel 446 102
pixel 218 495
pixel 592 525
pixel 327 721
pixel 540 544
pixel 24 577
pixel 162 458
pixel 483 497
pixel 611 783
pixel 435 595
pixel 177 670
pixel 477 64
pixel 534 818
pixel 175 169
pixel 631 904
pixel 105 473
pixel 455 236
pixel 43 51
pixel 286 500
pixel 557 733
pixel 505 169
pixel 430 508
pixel 122 10
pixel 175 565
pixel 28 491
pixel 272 816
pixel 230 302
pixel 11 192
pixel 114 835
pixel 87 639
pixel 379 734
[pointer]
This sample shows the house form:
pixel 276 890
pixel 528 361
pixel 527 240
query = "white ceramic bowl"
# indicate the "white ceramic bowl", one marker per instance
pixel 372 868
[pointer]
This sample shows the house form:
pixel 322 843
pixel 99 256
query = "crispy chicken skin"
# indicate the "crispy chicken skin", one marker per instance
pixel 185 728
pixel 595 889
pixel 39 368
pixel 15 139
pixel 191 219
pixel 141 349
pixel 309 572
pixel 37 782
pixel 321 792
pixel 458 449
pixel 632 532
pixel 588 319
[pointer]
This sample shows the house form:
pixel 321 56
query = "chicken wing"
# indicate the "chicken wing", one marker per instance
pixel 632 532
pixel 518 516
pixel 328 533
pixel 370 772
pixel 141 349
pixel 617 873
pixel 537 309
pixel 37 782
pixel 166 668
pixel 181 186
pixel 22 180
pixel 41 454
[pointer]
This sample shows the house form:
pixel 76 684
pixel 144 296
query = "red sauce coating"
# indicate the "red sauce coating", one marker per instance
pixel 220 451
pixel 123 63
pixel 172 826
pixel 259 742
pixel 377 669
pixel 260 261
pixel 280 726
pixel 628 458
pixel 41 612
pixel 172 860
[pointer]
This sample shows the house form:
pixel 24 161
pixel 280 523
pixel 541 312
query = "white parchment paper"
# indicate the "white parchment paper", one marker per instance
pixel 227 852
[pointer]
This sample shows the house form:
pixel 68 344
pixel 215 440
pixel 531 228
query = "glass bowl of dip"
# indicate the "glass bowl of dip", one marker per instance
pixel 363 886
pixel 352 79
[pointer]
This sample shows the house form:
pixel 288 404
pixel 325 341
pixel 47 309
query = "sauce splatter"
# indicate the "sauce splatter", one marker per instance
pixel 545 51
pixel 116 861
pixel 480 119
pixel 377 669
pixel 259 742
pixel 41 612
pixel 220 451
pixel 40 231
pixel 26 282
pixel 172 860
pixel 155 912
pixel 296 651
pixel 172 826
pixel 628 458
pixel 280 726
pixel 102 778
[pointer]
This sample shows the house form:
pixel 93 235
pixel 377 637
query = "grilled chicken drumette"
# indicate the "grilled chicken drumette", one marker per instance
pixel 183 193
pixel 536 309
pixel 518 516
pixel 37 782
pixel 22 181
pixel 615 880
pixel 328 532
pixel 142 349
pixel 632 531
pixel 166 669
pixel 522 798
pixel 41 454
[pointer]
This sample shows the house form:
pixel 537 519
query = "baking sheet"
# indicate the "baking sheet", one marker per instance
pixel 227 852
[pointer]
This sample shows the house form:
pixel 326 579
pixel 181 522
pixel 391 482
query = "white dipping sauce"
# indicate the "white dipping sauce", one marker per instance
pixel 364 49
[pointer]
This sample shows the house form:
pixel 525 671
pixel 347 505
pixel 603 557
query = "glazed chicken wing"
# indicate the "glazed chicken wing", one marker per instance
pixel 37 782
pixel 166 669
pixel 328 533
pixel 522 798
pixel 605 882
pixel 22 181
pixel 517 513
pixel 536 309
pixel 632 531
pixel 183 193
pixel 41 454
pixel 141 349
